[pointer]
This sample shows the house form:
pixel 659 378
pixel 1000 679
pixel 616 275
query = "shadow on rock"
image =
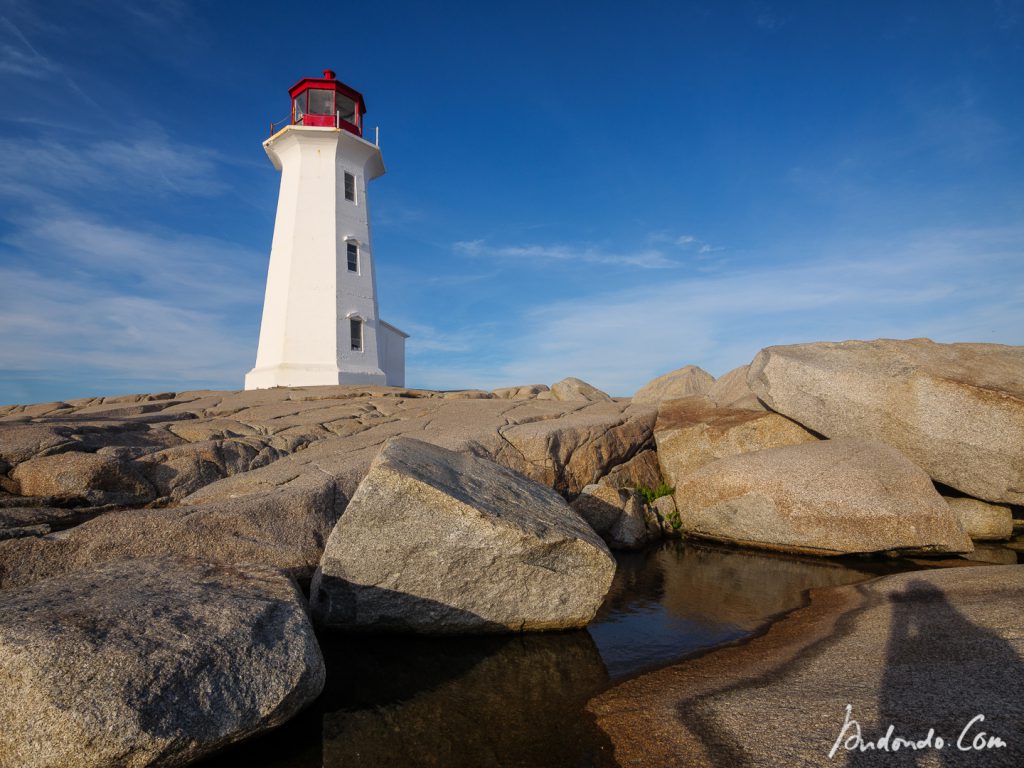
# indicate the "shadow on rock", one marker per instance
pixel 942 671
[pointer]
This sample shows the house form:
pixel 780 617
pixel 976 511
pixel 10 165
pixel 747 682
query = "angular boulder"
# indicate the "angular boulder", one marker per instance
pixel 619 516
pixel 690 435
pixel 682 382
pixel 980 520
pixel 829 497
pixel 956 410
pixel 150 662
pixel 577 389
pixel 440 542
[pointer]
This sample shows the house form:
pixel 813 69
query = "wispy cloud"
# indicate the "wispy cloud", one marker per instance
pixel 197 269
pixel 952 285
pixel 153 165
pixel 19 57
pixel 64 328
pixel 647 258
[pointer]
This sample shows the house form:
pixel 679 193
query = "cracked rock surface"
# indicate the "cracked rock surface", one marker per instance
pixel 259 476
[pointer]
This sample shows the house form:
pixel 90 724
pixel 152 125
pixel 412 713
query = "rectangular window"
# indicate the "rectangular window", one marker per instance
pixel 321 102
pixel 350 187
pixel 353 257
pixel 300 107
pixel 345 108
pixel 357 334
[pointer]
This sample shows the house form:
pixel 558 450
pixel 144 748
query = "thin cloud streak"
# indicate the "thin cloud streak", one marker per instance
pixel 644 259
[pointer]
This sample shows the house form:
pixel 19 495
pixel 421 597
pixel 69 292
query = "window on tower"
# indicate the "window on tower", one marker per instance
pixel 321 102
pixel 353 256
pixel 350 187
pixel 356 326
pixel 345 107
pixel 300 108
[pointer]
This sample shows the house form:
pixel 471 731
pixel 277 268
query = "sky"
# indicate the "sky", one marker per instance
pixel 601 190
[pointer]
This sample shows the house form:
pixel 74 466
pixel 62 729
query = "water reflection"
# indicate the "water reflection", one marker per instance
pixel 400 700
pixel 493 703
pixel 680 598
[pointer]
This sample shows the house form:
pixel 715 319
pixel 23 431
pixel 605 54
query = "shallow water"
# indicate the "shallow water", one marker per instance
pixel 519 700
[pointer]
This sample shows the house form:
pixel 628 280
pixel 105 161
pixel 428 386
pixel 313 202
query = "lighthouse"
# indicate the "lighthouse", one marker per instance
pixel 320 316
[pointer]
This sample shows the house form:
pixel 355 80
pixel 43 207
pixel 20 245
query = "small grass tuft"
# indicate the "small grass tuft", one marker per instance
pixel 650 494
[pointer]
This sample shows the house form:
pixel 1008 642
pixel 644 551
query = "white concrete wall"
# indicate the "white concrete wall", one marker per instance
pixel 310 296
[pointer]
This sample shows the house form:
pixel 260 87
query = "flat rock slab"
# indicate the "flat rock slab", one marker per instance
pixel 919 651
pixel 150 662
pixel 956 410
pixel 439 542
pixel 828 497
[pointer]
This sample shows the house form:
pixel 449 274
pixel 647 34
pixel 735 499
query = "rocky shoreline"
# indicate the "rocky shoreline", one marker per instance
pixel 401 510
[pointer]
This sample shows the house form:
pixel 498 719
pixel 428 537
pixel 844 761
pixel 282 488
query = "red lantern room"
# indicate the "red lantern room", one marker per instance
pixel 325 102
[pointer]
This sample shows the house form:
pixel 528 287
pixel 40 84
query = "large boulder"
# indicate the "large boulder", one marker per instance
pixel 439 542
pixel 956 410
pixel 980 520
pixel 150 662
pixel 577 389
pixel 824 498
pixel 690 434
pixel 682 382
pixel 619 516
pixel 284 528
pixel 95 478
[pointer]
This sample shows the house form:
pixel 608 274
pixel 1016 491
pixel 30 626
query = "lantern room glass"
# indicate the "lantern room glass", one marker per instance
pixel 321 101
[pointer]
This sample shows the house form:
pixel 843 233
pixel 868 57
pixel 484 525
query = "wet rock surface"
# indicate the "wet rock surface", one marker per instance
pixel 919 651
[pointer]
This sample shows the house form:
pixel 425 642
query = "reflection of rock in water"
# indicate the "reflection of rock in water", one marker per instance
pixel 742 588
pixel 637 583
pixel 485 702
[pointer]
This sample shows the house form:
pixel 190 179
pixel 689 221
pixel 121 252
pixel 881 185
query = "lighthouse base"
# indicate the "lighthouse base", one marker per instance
pixel 310 376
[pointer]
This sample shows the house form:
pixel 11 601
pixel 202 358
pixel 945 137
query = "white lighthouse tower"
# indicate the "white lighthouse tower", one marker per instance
pixel 320 320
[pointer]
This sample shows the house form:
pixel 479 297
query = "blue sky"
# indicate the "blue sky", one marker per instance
pixel 605 190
